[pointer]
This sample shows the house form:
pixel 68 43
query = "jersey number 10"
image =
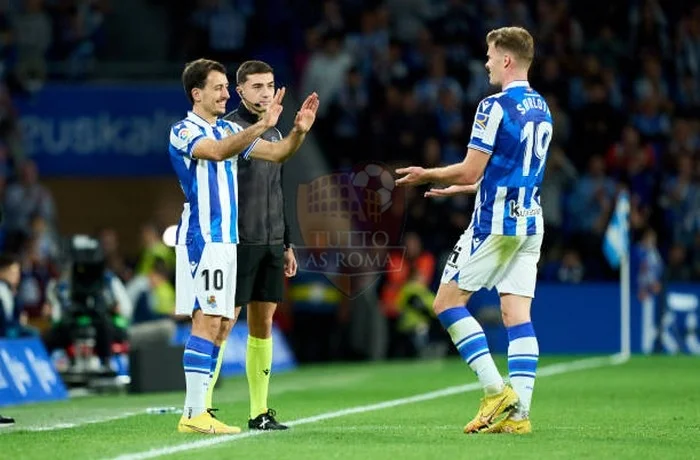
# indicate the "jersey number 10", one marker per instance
pixel 537 138
pixel 217 278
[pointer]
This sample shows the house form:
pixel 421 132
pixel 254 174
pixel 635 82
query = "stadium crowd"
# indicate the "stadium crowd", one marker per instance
pixel 399 81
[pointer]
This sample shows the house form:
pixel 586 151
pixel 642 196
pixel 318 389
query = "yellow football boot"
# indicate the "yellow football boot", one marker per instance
pixel 508 425
pixel 493 409
pixel 205 423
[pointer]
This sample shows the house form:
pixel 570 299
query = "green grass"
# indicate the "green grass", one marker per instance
pixel 646 408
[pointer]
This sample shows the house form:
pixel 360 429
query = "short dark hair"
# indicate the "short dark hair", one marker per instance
pixel 251 68
pixel 196 73
pixel 7 260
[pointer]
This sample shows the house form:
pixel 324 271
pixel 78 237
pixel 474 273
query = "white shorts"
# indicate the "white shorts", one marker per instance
pixel 485 261
pixel 205 278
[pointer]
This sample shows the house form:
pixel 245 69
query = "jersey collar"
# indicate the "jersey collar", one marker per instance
pixel 199 121
pixel 517 84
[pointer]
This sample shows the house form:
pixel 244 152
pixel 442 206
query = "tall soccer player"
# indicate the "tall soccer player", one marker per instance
pixel 204 150
pixel 504 165
pixel 265 254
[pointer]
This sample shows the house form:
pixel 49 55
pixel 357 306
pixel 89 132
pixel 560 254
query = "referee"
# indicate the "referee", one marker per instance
pixel 265 255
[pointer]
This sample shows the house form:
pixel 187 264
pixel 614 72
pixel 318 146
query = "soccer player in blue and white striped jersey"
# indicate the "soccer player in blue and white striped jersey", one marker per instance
pixel 504 166
pixel 203 150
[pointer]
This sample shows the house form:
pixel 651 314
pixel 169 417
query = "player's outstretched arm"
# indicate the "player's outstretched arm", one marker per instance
pixel 467 172
pixel 452 190
pixel 210 149
pixel 282 150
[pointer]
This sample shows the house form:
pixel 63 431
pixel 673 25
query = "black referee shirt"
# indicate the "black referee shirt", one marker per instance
pixel 260 200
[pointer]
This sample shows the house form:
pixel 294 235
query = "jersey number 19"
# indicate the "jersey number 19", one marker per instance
pixel 537 138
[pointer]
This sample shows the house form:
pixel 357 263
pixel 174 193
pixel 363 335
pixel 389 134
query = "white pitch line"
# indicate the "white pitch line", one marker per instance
pixel 553 369
pixel 66 425
pixel 281 388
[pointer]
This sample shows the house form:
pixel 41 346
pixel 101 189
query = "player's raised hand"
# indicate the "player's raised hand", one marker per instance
pixel 273 112
pixel 307 113
pixel 452 190
pixel 413 175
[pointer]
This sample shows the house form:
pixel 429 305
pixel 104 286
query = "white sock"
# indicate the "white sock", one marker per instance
pixel 469 338
pixel 523 354
pixel 197 387
pixel 196 362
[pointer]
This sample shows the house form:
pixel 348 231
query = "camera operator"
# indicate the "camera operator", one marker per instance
pixel 87 303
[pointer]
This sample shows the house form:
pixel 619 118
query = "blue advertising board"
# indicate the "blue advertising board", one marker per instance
pixel 585 319
pixel 110 130
pixel 27 374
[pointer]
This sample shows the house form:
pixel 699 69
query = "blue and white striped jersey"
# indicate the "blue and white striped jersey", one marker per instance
pixel 210 213
pixel 515 128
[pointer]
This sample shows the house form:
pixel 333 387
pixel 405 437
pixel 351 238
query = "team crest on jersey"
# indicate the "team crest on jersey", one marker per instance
pixel 211 301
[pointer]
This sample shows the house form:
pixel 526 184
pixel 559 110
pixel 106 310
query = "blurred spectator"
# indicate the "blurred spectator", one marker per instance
pixel 409 16
pixel 568 269
pixel 78 34
pixel 26 199
pixel 32 30
pixel 416 317
pixel 678 268
pixel 592 199
pixel 559 178
pixel 325 72
pixel 626 151
pixel 221 27
pixel 13 320
pixel 413 259
pixel 348 113
pixel 680 197
pixel 649 29
pixel 38 269
pixel 159 301
pixel 550 81
pixel 116 263
pixel 428 89
pixel 609 49
pixel 651 120
pixel 650 266
pixel 153 248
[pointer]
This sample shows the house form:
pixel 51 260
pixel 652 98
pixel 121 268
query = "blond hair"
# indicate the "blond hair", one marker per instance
pixel 514 39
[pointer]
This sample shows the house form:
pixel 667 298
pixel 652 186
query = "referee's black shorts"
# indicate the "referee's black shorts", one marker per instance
pixel 260 273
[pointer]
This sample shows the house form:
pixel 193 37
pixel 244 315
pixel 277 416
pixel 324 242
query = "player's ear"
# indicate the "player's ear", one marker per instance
pixel 196 94
pixel 507 60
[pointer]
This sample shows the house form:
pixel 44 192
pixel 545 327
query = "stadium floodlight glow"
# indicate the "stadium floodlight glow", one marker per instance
pixel 170 235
